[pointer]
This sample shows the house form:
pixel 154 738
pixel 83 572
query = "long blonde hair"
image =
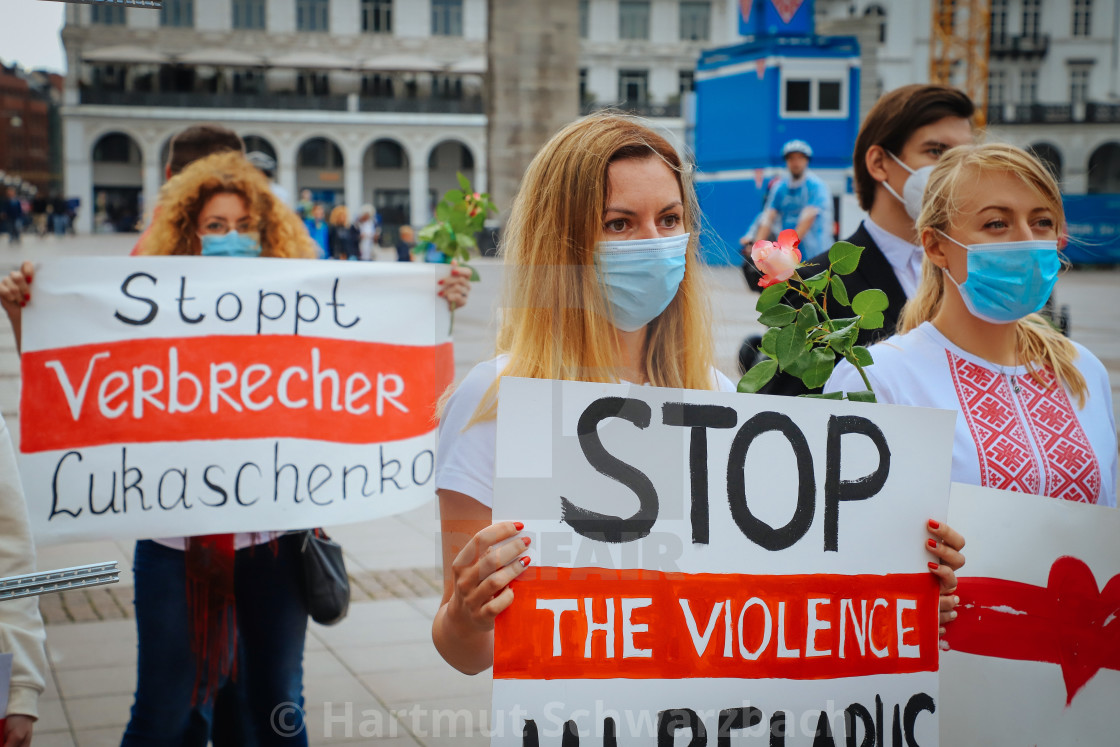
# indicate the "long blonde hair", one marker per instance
pixel 555 321
pixel 1038 343
pixel 174 228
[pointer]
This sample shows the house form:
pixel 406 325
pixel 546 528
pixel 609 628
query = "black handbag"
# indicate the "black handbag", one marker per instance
pixel 326 587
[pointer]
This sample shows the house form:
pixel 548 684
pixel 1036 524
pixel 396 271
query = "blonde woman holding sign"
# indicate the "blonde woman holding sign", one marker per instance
pixel 603 284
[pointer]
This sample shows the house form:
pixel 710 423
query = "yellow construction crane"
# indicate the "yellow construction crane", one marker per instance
pixel 960 34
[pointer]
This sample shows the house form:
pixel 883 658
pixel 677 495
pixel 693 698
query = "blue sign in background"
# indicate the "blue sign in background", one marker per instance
pixel 1094 228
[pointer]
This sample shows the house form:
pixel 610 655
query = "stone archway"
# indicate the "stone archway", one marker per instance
pixel 385 185
pixel 117 181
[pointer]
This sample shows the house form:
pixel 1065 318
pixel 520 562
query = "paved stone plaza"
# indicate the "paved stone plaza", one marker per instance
pixel 376 674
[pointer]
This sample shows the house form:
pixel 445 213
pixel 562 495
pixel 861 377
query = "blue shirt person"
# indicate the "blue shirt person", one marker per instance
pixel 801 201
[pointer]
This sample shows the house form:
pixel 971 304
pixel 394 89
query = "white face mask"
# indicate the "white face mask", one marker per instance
pixel 912 190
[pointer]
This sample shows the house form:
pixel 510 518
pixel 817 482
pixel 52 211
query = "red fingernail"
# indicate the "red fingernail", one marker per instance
pixel 933 566
pixel 24 303
pixel 932 544
pixel 524 560
pixel 526 540
pixel 518 525
pixel 934 525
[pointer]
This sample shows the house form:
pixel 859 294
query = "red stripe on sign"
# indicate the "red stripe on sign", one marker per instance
pixel 1068 622
pixel 653 625
pixel 220 387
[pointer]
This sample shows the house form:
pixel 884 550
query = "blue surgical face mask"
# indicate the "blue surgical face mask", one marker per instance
pixel 232 244
pixel 1007 280
pixel 641 277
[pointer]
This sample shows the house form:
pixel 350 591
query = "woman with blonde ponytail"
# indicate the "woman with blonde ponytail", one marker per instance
pixel 1035 408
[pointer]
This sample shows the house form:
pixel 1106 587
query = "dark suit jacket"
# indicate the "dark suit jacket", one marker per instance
pixel 874 271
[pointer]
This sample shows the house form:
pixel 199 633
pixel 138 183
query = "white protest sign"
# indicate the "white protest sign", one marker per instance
pixel 709 565
pixel 1034 653
pixel 166 396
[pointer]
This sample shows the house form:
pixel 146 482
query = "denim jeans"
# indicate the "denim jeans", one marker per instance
pixel 271 627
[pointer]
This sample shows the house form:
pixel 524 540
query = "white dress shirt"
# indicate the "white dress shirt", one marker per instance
pixel 905 258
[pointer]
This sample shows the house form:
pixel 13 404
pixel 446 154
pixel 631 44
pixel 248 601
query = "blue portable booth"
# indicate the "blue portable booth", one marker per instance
pixel 782 82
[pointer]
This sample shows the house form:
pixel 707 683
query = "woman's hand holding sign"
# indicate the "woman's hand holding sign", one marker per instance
pixel 15 292
pixel 476 583
pixel 946 544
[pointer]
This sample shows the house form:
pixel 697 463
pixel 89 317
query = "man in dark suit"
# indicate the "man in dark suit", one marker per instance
pixel 904 135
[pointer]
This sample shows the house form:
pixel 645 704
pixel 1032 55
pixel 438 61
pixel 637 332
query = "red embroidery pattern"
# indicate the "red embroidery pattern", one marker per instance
pixel 1044 453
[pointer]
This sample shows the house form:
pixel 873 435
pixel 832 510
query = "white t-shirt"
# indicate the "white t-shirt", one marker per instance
pixel 465 459
pixel 1012 432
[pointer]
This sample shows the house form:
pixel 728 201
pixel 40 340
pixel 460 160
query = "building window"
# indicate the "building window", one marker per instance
pixel 319 153
pixel 177 13
pixel 310 83
pixel 376 84
pixel 695 20
pixel 107 15
pixel 377 16
pixel 116 148
pixel 248 14
pixel 1028 87
pixel 686 81
pixel 584 18
pixel 1078 84
pixel 877 13
pixel 1031 12
pixel 997 85
pixel 633 87
pixel 107 77
pixel 248 81
pixel 312 15
pixel 447 17
pixel 799 96
pixel 814 95
pixel 387 155
pixel 999 19
pixel 633 19
pixel 583 95
pixel 1082 14
pixel 447 86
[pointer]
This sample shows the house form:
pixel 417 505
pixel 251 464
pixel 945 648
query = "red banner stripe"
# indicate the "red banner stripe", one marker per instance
pixel 1067 622
pixel 791 625
pixel 223 387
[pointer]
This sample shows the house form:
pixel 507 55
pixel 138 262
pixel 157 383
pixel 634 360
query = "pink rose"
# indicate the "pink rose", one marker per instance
pixel 777 260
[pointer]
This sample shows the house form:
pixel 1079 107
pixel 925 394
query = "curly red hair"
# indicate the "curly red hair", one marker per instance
pixel 174 227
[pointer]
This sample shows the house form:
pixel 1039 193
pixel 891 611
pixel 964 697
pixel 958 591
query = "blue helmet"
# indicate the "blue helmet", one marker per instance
pixel 797 146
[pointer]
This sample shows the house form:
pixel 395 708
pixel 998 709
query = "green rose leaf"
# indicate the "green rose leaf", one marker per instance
pixel 771 296
pixel 830 395
pixel 757 377
pixel 798 365
pixel 778 316
pixel 839 291
pixel 789 344
pixel 464 182
pixel 821 363
pixel 862 355
pixel 807 318
pixel 864 396
pixel 844 258
pixel 818 282
pixel 770 341
pixel 869 300
pixel 843 337
pixel 454 196
pixel 871 320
